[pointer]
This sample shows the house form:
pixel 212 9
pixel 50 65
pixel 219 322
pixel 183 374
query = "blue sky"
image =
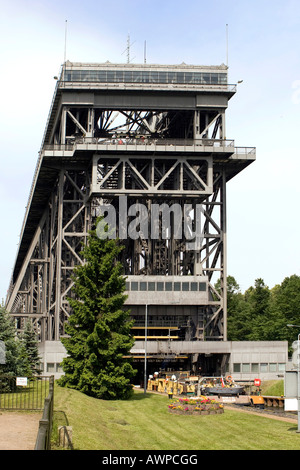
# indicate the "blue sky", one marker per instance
pixel 263 51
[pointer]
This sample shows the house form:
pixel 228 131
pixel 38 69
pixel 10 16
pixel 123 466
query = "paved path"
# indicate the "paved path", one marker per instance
pixel 18 431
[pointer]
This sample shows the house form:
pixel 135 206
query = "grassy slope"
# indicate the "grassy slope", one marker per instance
pixel 144 423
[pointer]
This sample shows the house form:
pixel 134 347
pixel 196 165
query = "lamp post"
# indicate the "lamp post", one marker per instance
pixel 145 362
pixel 298 374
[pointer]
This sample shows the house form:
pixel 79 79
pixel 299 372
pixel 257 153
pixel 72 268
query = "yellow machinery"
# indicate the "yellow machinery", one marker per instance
pixel 171 387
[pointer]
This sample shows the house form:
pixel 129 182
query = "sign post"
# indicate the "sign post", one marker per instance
pixel 257 382
pixel 298 374
pixel 21 381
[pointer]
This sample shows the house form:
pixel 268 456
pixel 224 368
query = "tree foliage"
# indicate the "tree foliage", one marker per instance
pixel 99 330
pixel 261 313
pixel 30 347
pixel 16 357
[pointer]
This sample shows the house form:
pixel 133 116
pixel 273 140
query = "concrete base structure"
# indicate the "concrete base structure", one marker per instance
pixel 243 360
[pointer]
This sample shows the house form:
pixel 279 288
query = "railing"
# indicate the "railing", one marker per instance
pixel 65 437
pixel 138 143
pixel 245 150
pixel 45 424
pixel 121 143
pixel 22 393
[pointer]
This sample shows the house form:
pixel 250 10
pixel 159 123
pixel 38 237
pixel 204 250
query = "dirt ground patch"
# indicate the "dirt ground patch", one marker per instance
pixel 18 430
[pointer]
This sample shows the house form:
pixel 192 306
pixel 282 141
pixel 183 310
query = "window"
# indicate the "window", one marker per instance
pixel 145 76
pixel 128 76
pixel 134 286
pixel 180 77
pixel 168 286
pixel 171 77
pixel 246 367
pixel 160 286
pixel 119 76
pixel 194 286
pixel 176 286
pixel 151 286
pixel 75 76
pixel 273 367
pixel 197 77
pixel 236 367
pixel 264 367
pixel 140 76
pixel 281 367
pixel 162 77
pixel 102 76
pixel 143 286
pixel 185 286
pixel 50 367
pixel 110 76
pixel 254 367
pixel 202 286
pixel 153 77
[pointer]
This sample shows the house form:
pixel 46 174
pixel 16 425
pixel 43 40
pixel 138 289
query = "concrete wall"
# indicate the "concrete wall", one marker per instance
pixel 266 360
pixel 52 354
pixel 248 360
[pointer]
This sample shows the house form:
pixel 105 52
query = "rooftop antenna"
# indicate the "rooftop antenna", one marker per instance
pixel 227 45
pixel 65 51
pixel 128 49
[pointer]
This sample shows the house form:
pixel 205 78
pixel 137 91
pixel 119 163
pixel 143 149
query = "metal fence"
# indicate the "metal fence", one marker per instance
pixel 23 393
pixel 43 441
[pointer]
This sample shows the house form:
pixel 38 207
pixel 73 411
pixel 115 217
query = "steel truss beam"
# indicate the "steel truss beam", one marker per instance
pixel 76 122
pixel 44 283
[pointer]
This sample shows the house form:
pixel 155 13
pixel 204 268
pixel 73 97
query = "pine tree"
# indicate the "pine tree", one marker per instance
pixel 29 343
pixel 99 328
pixel 17 363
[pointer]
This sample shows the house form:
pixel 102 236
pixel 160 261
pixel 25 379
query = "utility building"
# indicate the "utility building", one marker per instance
pixel 146 144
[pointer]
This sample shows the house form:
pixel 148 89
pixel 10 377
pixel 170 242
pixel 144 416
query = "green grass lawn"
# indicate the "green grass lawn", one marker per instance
pixel 144 423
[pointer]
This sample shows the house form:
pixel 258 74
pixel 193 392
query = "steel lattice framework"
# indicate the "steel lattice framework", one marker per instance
pixel 150 135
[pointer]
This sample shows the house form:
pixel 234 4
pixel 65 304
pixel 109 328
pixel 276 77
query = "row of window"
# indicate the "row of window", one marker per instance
pixel 52 367
pixel 237 367
pixel 145 76
pixel 165 286
pixel 259 367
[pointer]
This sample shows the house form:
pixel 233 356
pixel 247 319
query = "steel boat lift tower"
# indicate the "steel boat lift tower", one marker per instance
pixel 147 135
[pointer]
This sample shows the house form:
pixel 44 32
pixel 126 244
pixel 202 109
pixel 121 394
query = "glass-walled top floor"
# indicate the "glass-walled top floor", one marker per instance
pixel 140 76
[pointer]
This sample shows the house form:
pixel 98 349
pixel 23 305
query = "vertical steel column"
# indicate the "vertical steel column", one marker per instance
pixel 224 254
pixel 58 256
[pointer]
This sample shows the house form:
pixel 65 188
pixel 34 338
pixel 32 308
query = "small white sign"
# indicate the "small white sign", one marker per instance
pixel 228 399
pixel 22 381
pixel 290 404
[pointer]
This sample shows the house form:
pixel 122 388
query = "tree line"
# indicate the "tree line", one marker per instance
pixel 21 351
pixel 262 313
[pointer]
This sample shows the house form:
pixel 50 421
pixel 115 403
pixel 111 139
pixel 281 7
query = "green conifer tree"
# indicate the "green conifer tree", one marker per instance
pixel 30 346
pixel 99 328
pixel 16 360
